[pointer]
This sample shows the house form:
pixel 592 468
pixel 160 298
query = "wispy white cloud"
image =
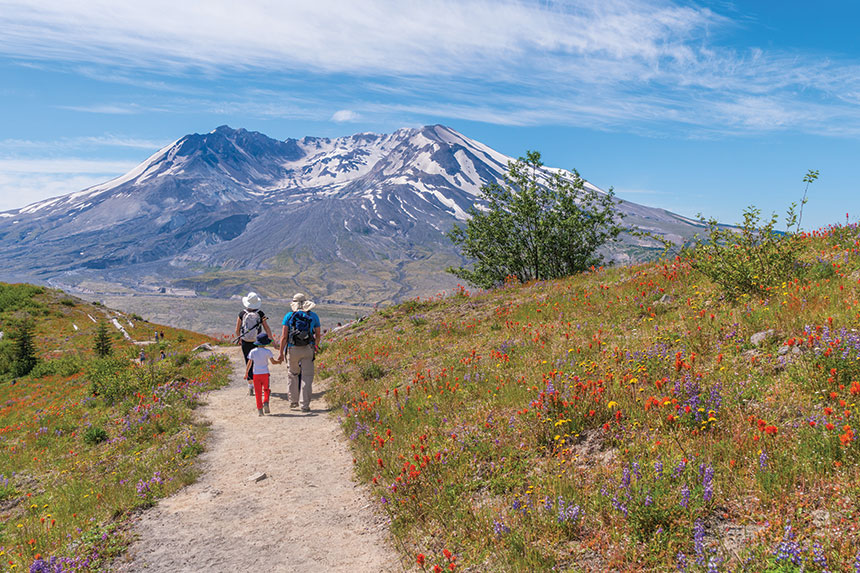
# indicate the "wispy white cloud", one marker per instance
pixel 108 109
pixel 31 180
pixel 599 63
pixel 344 116
pixel 64 166
pixel 17 147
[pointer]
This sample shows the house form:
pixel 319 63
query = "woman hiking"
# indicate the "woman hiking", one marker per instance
pixel 252 320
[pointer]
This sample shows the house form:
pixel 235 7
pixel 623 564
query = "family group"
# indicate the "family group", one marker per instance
pixel 298 344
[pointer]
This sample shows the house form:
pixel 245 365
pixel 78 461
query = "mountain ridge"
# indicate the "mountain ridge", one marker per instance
pixel 351 217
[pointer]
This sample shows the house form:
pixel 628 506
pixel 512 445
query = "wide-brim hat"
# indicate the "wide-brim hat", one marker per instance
pixel 263 339
pixel 252 301
pixel 301 302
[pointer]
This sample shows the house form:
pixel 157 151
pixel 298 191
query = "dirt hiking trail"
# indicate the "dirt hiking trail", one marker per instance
pixel 306 515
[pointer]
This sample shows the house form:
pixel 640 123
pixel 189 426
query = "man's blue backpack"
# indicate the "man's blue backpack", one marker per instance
pixel 301 329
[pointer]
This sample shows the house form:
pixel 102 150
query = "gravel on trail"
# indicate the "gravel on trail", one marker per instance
pixel 305 514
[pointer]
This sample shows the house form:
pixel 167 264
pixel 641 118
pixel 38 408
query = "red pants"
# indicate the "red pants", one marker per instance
pixel 261 384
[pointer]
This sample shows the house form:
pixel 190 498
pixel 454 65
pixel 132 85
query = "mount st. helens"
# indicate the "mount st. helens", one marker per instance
pixel 354 219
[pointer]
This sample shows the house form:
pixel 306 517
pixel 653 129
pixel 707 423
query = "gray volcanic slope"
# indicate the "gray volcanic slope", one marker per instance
pixel 359 218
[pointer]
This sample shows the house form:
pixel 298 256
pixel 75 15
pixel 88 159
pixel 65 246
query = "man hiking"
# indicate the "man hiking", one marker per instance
pixel 300 339
pixel 251 322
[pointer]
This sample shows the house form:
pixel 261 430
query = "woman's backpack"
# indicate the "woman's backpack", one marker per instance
pixel 251 323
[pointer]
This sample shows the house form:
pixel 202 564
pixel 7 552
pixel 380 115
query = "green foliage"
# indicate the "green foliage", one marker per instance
pixel 102 345
pixel 25 351
pixel 70 302
pixel 536 226
pixel 66 365
pixel 372 371
pixel 7 357
pixel 749 261
pixel 95 435
pixel 110 378
pixel 19 297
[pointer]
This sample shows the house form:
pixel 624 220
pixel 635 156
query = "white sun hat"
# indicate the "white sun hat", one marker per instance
pixel 252 301
pixel 301 302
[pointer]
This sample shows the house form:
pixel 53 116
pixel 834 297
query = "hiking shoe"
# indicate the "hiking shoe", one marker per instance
pixel 250 391
pixel 294 405
pixel 305 409
pixel 259 411
pixel 266 407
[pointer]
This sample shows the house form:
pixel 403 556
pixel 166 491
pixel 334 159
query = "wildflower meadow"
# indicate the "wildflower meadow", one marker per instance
pixel 87 440
pixel 642 418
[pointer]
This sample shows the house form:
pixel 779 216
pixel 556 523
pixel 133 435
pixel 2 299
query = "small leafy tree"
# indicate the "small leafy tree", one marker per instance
pixel 102 345
pixel 25 351
pixel 754 257
pixel 538 225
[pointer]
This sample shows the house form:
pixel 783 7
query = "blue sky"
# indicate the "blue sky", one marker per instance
pixel 692 106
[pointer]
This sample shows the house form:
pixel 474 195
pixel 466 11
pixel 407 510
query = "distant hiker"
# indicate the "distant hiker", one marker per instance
pixel 142 357
pixel 251 322
pixel 162 355
pixel 162 335
pixel 300 339
pixel 258 363
pixel 156 336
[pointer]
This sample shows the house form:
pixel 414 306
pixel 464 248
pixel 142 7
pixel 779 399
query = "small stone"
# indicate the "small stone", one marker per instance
pixel 666 299
pixel 783 350
pixel 260 476
pixel 759 337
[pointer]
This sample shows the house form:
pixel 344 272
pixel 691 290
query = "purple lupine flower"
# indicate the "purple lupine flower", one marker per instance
pixel 636 471
pixel 708 484
pixel 658 469
pixel 713 564
pixel 685 496
pixel 681 562
pixel 500 528
pixel 788 549
pixel 699 541
pixel 762 460
pixel 818 557
pixel 625 478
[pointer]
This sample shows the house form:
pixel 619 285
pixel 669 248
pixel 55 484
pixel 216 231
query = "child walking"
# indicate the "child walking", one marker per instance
pixel 258 363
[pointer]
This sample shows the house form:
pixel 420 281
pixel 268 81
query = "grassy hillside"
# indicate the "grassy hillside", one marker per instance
pixel 85 440
pixel 628 419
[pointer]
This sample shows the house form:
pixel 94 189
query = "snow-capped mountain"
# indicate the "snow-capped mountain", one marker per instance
pixel 356 218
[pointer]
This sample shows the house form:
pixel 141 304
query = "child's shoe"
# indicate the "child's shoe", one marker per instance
pixel 250 390
pixel 266 407
pixel 259 411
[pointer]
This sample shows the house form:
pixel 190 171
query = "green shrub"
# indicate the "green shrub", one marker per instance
pixel 750 260
pixel 19 297
pixel 95 435
pixel 110 378
pixel 372 371
pixel 68 302
pixel 66 365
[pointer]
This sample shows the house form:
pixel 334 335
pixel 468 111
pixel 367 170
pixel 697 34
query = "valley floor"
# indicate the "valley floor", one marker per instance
pixel 306 514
